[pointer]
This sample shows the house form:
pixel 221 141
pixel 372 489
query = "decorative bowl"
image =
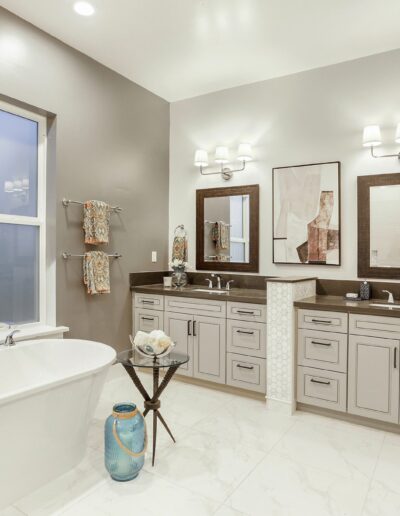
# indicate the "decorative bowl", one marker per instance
pixel 150 350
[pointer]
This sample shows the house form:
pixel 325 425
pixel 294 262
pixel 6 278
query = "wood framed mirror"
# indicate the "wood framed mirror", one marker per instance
pixel 378 226
pixel 227 229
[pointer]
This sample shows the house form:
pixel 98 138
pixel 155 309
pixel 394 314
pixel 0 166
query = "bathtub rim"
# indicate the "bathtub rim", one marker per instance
pixel 38 388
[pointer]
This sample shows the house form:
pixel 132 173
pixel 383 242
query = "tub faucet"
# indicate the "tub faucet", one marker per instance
pixel 9 341
pixel 390 296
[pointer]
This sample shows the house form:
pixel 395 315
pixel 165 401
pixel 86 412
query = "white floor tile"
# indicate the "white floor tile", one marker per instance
pixel 282 487
pixel 381 501
pixel 387 471
pixel 208 465
pixel 11 511
pixel 224 510
pixel 351 452
pixel 247 421
pixel 148 495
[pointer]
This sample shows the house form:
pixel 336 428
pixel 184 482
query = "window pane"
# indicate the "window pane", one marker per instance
pixel 19 273
pixel 18 165
pixel 237 252
pixel 236 213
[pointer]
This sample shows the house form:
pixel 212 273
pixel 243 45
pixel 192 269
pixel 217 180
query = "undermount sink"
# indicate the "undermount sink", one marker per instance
pixel 383 305
pixel 209 291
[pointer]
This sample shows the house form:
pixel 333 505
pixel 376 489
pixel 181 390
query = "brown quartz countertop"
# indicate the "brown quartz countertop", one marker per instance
pixel 242 295
pixel 339 304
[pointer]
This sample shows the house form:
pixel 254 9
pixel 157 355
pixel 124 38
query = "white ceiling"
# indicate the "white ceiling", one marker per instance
pixel 183 48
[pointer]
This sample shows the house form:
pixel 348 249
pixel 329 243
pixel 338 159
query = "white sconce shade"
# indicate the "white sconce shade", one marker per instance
pixel 372 136
pixel 221 155
pixel 244 152
pixel 397 137
pixel 8 186
pixel 201 158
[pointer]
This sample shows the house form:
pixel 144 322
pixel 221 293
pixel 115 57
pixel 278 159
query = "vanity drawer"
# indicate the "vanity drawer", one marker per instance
pixel 246 312
pixel 188 305
pixel 245 372
pixel 323 321
pixel 148 320
pixel 321 349
pixel 152 301
pixel 325 389
pixel 374 326
pixel 247 338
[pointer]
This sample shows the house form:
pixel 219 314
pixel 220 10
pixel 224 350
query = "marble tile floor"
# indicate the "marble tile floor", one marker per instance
pixel 232 458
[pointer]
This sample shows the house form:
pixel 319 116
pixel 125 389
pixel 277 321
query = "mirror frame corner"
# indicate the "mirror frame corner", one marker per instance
pixel 254 196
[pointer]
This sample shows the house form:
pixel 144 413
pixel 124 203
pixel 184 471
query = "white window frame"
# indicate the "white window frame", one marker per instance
pixel 245 229
pixel 40 220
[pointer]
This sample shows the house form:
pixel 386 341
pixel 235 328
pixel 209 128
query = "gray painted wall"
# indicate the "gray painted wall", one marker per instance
pixel 308 117
pixel 112 139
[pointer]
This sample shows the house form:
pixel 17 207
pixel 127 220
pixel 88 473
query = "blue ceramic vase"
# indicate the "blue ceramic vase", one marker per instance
pixel 125 442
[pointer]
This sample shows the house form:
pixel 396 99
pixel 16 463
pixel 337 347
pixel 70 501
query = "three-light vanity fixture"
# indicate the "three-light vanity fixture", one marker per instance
pixel 244 154
pixel 372 138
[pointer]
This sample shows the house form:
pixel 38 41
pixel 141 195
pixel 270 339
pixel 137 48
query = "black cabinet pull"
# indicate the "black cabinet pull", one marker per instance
pixel 319 321
pixel 319 381
pixel 245 332
pixel 188 328
pixel 395 358
pixel 321 343
pixel 148 301
pixel 245 312
pixel 244 366
pixel 147 318
pixel 194 329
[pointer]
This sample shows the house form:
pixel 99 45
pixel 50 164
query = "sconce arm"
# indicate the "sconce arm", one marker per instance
pixel 383 155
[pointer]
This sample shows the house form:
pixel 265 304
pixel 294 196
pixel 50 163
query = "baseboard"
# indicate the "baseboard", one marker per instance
pixel 281 406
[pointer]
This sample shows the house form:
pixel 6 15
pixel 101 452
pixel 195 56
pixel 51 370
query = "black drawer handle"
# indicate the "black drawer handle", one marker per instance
pixel 245 312
pixel 188 328
pixel 321 343
pixel 147 318
pixel 245 332
pixel 194 329
pixel 148 301
pixel 244 366
pixel 319 381
pixel 319 321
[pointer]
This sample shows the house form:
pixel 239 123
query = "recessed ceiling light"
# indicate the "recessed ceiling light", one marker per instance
pixel 84 8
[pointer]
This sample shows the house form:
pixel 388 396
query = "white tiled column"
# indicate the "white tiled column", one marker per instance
pixel 281 339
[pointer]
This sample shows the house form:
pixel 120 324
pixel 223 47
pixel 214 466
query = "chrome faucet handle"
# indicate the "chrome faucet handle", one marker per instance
pixel 390 296
pixel 10 338
pixel 210 283
pixel 228 284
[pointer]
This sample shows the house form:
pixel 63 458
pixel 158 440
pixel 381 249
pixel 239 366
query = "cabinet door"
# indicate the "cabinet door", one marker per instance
pixel 148 320
pixel 180 327
pixel 209 347
pixel 373 378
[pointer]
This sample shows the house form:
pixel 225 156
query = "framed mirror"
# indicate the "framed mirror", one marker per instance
pixel 227 232
pixel 378 226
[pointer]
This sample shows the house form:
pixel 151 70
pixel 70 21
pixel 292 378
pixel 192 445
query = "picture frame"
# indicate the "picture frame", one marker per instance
pixel 306 214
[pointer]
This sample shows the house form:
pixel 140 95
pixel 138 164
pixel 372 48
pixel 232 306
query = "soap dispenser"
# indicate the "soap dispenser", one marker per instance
pixel 365 291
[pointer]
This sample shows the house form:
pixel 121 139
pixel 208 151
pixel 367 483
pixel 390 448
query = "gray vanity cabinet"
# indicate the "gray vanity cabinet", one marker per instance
pixel 209 348
pixel 179 328
pixel 373 378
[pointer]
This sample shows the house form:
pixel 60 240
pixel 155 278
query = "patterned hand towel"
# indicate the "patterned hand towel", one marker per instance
pixel 96 272
pixel 96 222
pixel 180 249
pixel 220 235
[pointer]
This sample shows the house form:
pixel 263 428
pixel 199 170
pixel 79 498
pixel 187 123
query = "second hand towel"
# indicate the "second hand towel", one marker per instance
pixel 96 272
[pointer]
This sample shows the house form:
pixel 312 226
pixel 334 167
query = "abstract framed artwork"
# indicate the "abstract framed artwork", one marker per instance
pixel 306 214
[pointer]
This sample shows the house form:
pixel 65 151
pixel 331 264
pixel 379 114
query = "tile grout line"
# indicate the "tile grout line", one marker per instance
pixel 373 474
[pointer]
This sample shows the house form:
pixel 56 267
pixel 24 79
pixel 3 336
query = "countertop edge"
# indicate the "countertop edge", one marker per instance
pixel 345 306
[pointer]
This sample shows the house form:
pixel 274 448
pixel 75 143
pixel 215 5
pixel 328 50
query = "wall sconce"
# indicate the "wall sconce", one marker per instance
pixel 244 154
pixel 372 138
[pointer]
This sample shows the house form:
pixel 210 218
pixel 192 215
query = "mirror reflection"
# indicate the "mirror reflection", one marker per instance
pixel 384 226
pixel 227 229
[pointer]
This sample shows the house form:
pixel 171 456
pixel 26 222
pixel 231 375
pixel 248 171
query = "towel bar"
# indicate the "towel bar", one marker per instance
pixel 67 202
pixel 69 255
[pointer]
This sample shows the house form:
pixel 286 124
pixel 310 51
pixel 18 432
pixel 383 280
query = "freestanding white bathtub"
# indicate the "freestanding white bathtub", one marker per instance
pixel 49 390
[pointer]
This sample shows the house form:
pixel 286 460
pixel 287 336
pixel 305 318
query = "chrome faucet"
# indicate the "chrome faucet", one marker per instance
pixel 390 296
pixel 9 340
pixel 228 284
pixel 210 283
pixel 218 280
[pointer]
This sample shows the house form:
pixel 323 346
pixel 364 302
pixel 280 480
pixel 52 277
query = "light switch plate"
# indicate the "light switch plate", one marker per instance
pixel 154 256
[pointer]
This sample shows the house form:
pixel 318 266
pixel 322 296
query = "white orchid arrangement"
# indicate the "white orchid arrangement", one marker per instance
pixel 179 264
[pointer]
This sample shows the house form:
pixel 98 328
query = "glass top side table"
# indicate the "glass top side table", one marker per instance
pixel 131 359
